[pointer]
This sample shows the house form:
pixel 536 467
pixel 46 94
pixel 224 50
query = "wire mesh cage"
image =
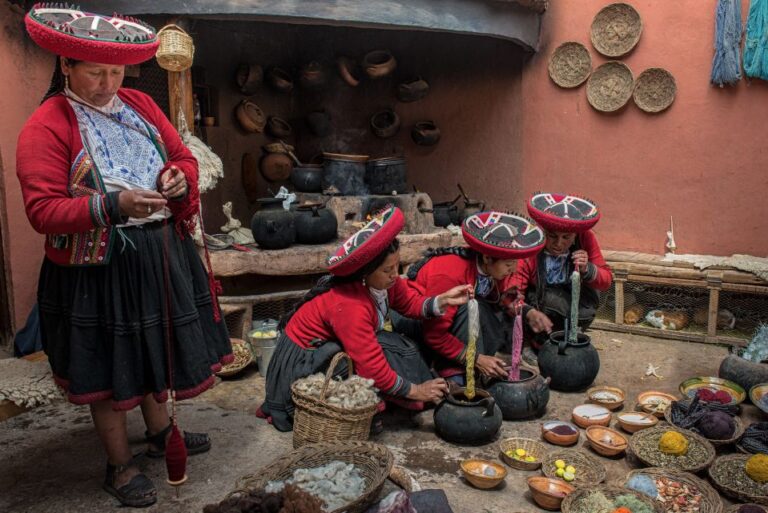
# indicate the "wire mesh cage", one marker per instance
pixel 606 309
pixel 739 314
pixel 676 308
pixel 152 80
pixel 274 309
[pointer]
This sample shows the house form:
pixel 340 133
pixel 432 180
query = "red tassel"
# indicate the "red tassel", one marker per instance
pixel 176 458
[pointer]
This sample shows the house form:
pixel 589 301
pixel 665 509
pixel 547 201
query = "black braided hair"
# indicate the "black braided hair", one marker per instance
pixel 430 253
pixel 57 79
pixel 327 282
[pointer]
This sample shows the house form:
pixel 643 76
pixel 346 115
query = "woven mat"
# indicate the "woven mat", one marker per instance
pixel 748 263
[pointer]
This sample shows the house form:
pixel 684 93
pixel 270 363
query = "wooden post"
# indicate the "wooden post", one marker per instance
pixel 619 279
pixel 714 284
pixel 180 97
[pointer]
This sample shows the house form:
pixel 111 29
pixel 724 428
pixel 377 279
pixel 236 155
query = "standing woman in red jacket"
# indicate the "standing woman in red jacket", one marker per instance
pixel 545 279
pixel 496 241
pixel 349 310
pixel 107 180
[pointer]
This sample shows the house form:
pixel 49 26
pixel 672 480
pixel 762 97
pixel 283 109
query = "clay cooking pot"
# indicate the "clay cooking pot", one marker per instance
pixel 278 127
pixel 248 77
pixel 280 80
pixel 312 76
pixel 349 71
pixel 425 133
pixel 276 167
pixel 385 124
pixel 251 117
pixel 412 90
pixel 379 63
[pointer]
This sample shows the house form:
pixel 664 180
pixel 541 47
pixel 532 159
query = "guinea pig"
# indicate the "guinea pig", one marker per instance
pixel 634 314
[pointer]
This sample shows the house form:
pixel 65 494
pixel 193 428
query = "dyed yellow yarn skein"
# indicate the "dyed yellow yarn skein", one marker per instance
pixel 673 443
pixel 757 468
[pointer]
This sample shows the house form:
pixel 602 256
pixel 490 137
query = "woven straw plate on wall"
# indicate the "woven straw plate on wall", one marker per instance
pixel 655 90
pixel 616 30
pixel 570 64
pixel 610 86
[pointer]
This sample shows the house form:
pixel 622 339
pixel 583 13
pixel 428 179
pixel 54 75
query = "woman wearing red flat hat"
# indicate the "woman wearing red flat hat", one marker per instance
pixel 349 310
pixel 496 242
pixel 107 179
pixel 545 278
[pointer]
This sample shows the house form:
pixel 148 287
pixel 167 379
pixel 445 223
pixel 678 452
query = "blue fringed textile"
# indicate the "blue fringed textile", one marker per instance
pixel 726 65
pixel 756 43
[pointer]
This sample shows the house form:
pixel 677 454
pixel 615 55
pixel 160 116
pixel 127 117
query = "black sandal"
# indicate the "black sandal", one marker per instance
pixel 195 442
pixel 139 492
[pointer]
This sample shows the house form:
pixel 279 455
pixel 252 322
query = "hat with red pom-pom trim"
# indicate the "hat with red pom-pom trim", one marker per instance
pixel 83 36
pixel 367 243
pixel 501 235
pixel 563 213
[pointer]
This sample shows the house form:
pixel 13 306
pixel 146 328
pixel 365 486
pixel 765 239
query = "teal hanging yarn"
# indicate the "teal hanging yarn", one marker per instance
pixel 726 64
pixel 756 43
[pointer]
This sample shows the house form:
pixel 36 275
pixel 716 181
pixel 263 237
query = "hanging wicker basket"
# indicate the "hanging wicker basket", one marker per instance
pixel 570 64
pixel 616 30
pixel 315 420
pixel 655 90
pixel 609 87
pixel 176 50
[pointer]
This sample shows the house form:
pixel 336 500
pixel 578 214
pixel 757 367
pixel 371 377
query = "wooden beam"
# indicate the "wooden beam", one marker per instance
pixel 180 97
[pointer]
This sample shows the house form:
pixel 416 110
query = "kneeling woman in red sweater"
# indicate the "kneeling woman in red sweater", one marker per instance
pixel 349 310
pixel 496 241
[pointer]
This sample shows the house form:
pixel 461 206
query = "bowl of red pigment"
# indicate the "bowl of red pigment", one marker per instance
pixel 559 432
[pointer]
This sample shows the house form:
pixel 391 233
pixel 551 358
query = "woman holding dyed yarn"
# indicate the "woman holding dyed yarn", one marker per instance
pixel 349 310
pixel 545 278
pixel 496 241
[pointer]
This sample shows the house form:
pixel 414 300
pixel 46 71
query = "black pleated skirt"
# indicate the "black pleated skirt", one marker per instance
pixel 104 328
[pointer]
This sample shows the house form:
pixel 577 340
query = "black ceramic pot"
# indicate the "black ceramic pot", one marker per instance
pixel 273 227
pixel 743 372
pixel 346 173
pixel 386 175
pixel 385 124
pixel 315 224
pixel 469 422
pixel 278 127
pixel 572 367
pixel 446 212
pixel 307 177
pixel 425 133
pixel 412 90
pixel 522 399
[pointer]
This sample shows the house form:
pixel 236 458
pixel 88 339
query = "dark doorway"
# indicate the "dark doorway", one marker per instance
pixel 6 323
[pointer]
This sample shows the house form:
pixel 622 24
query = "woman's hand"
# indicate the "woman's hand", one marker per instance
pixel 580 259
pixel 432 390
pixel 491 366
pixel 140 203
pixel 456 296
pixel 173 183
pixel 538 321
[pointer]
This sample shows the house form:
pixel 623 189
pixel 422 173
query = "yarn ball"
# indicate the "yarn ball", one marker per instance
pixel 717 425
pixel 757 467
pixel 748 508
pixel 644 484
pixel 673 443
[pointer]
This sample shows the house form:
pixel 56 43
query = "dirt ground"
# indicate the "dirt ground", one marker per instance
pixel 51 461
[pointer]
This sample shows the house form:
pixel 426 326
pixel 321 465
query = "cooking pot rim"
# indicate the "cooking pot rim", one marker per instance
pixel 480 394
pixel 582 339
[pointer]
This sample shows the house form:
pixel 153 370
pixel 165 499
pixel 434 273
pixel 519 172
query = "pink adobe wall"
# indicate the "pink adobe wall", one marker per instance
pixel 703 161
pixel 26 74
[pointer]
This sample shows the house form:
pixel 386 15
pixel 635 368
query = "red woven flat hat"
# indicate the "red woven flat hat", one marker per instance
pixel 501 235
pixel 563 213
pixel 72 33
pixel 367 243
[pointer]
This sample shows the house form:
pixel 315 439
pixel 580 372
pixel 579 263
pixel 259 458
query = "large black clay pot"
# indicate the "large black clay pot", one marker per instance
pixel 345 172
pixel 315 224
pixel 522 399
pixel 273 227
pixel 468 422
pixel 307 177
pixel 743 372
pixel 386 175
pixel 446 212
pixel 572 367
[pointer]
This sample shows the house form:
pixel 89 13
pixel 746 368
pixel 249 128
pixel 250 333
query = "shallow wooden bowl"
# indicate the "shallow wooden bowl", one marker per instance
pixel 592 397
pixel 649 400
pixel 586 415
pixel 632 421
pixel 606 441
pixel 554 438
pixel 548 493
pixel 476 472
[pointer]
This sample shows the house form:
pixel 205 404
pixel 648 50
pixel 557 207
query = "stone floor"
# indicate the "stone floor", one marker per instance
pixel 50 460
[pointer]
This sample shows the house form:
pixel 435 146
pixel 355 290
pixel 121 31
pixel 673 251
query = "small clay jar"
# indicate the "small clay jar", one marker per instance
pixel 349 71
pixel 280 80
pixel 250 117
pixel 248 78
pixel 379 63
pixel 276 167
pixel 278 127
pixel 319 123
pixel 412 90
pixel 425 133
pixel 385 124
pixel 313 76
